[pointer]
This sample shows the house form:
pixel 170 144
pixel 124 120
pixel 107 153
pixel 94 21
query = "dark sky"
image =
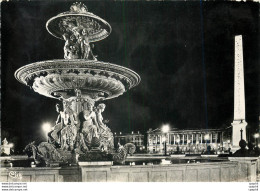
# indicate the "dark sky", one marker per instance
pixel 184 53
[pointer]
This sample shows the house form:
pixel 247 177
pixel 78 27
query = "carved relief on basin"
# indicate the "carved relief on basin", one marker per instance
pixel 59 78
pixel 78 18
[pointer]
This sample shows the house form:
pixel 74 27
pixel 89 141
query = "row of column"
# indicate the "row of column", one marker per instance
pixel 177 138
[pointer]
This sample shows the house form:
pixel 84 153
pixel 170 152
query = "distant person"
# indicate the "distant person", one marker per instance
pixel 242 152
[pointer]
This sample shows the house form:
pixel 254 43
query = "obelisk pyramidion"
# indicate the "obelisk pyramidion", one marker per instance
pixel 239 124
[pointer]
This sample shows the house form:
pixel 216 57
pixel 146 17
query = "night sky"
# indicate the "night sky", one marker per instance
pixel 183 52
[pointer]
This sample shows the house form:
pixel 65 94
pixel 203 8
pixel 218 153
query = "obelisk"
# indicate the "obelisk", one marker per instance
pixel 239 124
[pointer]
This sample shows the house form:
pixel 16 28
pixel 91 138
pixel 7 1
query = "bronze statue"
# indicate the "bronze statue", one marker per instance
pixel 120 156
pixel 77 44
pixel 101 108
pixel 43 152
pixel 71 47
pixel 90 128
pixel 69 130
pixel 54 135
pixel 106 136
pixel 85 47
pixel 68 43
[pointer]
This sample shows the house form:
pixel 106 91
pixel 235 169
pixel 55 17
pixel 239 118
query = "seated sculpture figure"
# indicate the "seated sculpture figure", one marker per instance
pixel 89 128
pixel 101 108
pixel 106 136
pixel 69 130
pixel 68 43
pixel 71 47
pixel 54 135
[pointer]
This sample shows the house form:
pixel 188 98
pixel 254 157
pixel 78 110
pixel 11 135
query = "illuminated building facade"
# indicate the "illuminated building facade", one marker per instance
pixel 188 141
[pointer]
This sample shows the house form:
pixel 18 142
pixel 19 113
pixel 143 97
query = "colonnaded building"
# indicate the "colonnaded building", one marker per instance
pixel 193 141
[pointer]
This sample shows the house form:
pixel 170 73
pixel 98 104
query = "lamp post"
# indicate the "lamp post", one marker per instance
pixel 197 143
pixel 189 145
pixel 229 149
pixel 256 139
pixel 165 130
pixel 178 149
pixel 206 137
pixel 164 142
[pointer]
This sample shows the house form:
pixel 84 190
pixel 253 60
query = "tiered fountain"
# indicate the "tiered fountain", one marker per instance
pixel 78 81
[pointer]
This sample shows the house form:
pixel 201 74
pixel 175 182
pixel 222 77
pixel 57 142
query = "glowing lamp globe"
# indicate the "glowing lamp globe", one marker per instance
pixel 165 128
pixel 46 127
pixel 206 137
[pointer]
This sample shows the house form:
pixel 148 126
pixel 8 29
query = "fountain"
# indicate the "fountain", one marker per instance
pixel 78 81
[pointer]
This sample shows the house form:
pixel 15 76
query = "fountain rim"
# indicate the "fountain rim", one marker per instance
pixel 20 70
pixel 88 14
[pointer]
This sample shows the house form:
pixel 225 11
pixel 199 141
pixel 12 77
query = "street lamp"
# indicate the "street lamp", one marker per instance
pixel 206 137
pixel 189 145
pixel 197 143
pixel 256 139
pixel 165 130
pixel 46 127
pixel 164 141
pixel 228 141
pixel 178 149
